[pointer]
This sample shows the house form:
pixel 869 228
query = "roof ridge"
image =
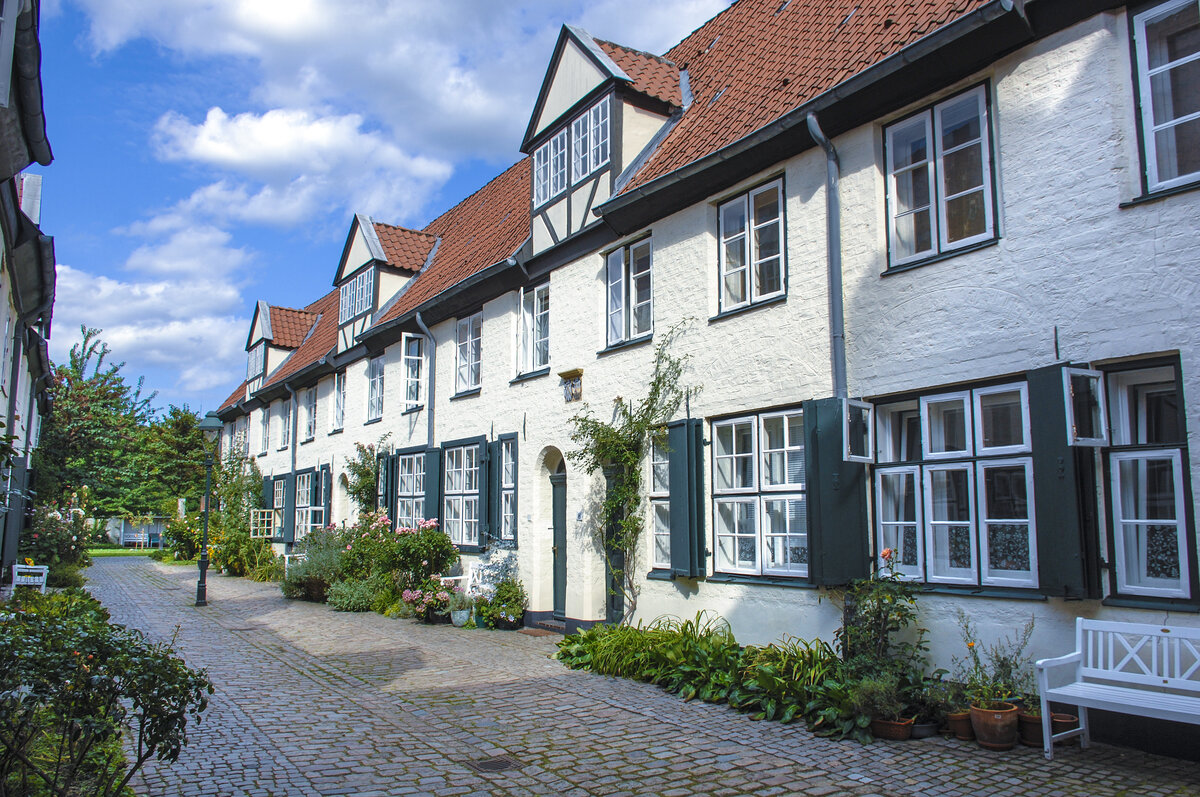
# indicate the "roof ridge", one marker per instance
pixel 402 227
pixel 660 58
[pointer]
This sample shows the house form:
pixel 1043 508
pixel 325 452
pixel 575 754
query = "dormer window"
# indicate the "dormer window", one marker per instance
pixel 589 141
pixel 550 168
pixel 357 296
pixel 256 361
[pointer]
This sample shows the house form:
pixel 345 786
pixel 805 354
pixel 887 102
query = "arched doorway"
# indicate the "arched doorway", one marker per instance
pixel 558 512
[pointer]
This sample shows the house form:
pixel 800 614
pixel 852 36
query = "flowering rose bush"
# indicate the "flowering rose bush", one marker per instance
pixel 57 536
pixel 410 556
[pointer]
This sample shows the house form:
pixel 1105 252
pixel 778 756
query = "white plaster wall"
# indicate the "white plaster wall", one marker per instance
pixel 576 76
pixel 638 126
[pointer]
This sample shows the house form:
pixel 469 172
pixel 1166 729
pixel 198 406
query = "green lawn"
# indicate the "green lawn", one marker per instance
pixel 95 552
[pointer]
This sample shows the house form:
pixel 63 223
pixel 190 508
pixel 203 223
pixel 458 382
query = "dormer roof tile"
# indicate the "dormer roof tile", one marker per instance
pixel 404 248
pixel 651 75
pixel 289 326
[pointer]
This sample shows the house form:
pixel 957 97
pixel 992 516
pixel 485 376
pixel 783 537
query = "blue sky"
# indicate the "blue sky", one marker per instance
pixel 211 153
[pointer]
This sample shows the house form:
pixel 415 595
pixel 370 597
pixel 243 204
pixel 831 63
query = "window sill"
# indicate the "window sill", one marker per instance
pixel 1014 593
pixel 470 548
pixel 531 375
pixel 413 410
pixel 373 420
pixel 306 441
pixel 1154 196
pixel 626 344
pixel 662 574
pixel 263 453
pixel 1157 604
pixel 721 316
pixel 282 448
pixel 796 582
pixel 336 431
pixel 466 394
pixel 938 258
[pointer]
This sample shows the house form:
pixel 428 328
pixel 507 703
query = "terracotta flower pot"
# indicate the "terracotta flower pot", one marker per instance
pixel 896 730
pixel 1061 723
pixel 924 730
pixel 1029 729
pixel 995 727
pixel 959 723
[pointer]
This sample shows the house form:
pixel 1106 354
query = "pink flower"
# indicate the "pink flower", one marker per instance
pixel 347 547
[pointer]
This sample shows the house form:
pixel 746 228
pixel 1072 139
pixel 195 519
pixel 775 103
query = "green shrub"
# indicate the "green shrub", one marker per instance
pixel 56 538
pixel 60 738
pixel 161 554
pixel 268 569
pixel 182 536
pixel 506 605
pixel 351 595
pixel 411 556
pixel 66 576
pixel 879 618
pixel 778 681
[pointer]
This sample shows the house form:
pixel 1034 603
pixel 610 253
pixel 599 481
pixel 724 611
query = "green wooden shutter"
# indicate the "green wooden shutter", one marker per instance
pixel 326 477
pixel 685 441
pixel 433 484
pixel 485 469
pixel 837 491
pixel 289 508
pixel 1063 560
pixel 494 474
pixel 268 493
pixel 391 486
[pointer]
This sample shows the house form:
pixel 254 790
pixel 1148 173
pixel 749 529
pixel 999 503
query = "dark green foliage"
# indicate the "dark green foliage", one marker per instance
pixel 506 607
pixel 833 712
pixel 618 448
pixel 362 474
pixel 310 579
pixel 879 624
pixel 70 683
pixel 56 538
pixel 237 489
pixel 351 595
pixel 778 681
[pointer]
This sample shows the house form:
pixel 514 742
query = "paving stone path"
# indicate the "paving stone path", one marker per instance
pixel 315 702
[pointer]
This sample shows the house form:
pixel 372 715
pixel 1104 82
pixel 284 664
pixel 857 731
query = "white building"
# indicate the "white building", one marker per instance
pixel 1006 195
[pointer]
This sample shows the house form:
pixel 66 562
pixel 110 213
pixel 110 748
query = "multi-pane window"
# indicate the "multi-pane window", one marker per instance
pixel 751 253
pixel 460 516
pixel 1167 39
pixel 534 343
pixel 660 502
pixel 357 296
pixel 630 300
pixel 375 388
pixel 470 335
pixel 953 496
pixel 759 509
pixel 310 413
pixel 508 489
pixel 589 141
pixel 278 496
pixel 285 423
pixel 256 361
pixel 410 490
pixel 310 503
pixel 414 366
pixel 264 424
pixel 1150 529
pixel 550 168
pixel 940 174
pixel 339 401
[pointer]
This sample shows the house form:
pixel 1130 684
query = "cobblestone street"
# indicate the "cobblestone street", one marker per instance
pixel 314 702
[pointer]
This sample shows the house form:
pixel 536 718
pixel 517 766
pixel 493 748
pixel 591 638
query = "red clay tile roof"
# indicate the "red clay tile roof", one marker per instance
pixel 753 62
pixel 651 74
pixel 320 343
pixel 482 230
pixel 234 398
pixel 290 326
pixel 406 249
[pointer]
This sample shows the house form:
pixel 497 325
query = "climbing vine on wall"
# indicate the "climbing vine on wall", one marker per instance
pixel 618 449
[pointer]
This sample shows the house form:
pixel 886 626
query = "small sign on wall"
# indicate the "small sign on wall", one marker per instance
pixel 572 382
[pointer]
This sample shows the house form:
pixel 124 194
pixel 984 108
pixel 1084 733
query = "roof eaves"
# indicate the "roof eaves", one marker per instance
pixel 594 49
pixel 371 235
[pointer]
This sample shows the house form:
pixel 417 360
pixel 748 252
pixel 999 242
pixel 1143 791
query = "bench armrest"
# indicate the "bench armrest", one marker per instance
pixel 1059 661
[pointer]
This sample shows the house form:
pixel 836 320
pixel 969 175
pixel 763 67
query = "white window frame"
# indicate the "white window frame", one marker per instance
pixel 972 522
pixel 910 572
pixel 789 447
pixel 621 305
pixel 264 422
pixel 590 140
pixel 310 413
pixel 1144 75
pixel 279 494
pixel 752 487
pixel 934 164
pixel 285 423
pixel 751 257
pixel 414 370
pixel 847 448
pixel 338 421
pixel 550 169
pixel 885 421
pixel 533 328
pixel 799 570
pixel 410 489
pixel 751 501
pixel 508 489
pixel 977 406
pixel 982 520
pixel 460 487
pixel 1097 377
pixel 375 385
pixel 357 296
pixel 1124 586
pixel 304 482
pixel 968 425
pixel 659 493
pixel 469 357
pixel 256 360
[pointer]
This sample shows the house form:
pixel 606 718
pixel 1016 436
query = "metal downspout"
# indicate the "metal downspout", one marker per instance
pixel 833 224
pixel 429 392
pixel 294 420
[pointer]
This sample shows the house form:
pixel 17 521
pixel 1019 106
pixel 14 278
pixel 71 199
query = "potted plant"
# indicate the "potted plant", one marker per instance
pixel 958 712
pixel 429 601
pixel 993 719
pixel 460 606
pixel 506 608
pixel 878 697
pixel 928 707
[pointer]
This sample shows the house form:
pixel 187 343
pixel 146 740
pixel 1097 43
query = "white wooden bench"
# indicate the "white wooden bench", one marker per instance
pixel 29 576
pixel 1130 668
pixel 469 582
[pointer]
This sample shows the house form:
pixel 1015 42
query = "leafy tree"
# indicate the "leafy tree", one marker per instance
pixel 172 455
pixel 362 473
pixel 94 431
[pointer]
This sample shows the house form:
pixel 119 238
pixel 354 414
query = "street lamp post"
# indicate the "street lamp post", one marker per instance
pixel 211 426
